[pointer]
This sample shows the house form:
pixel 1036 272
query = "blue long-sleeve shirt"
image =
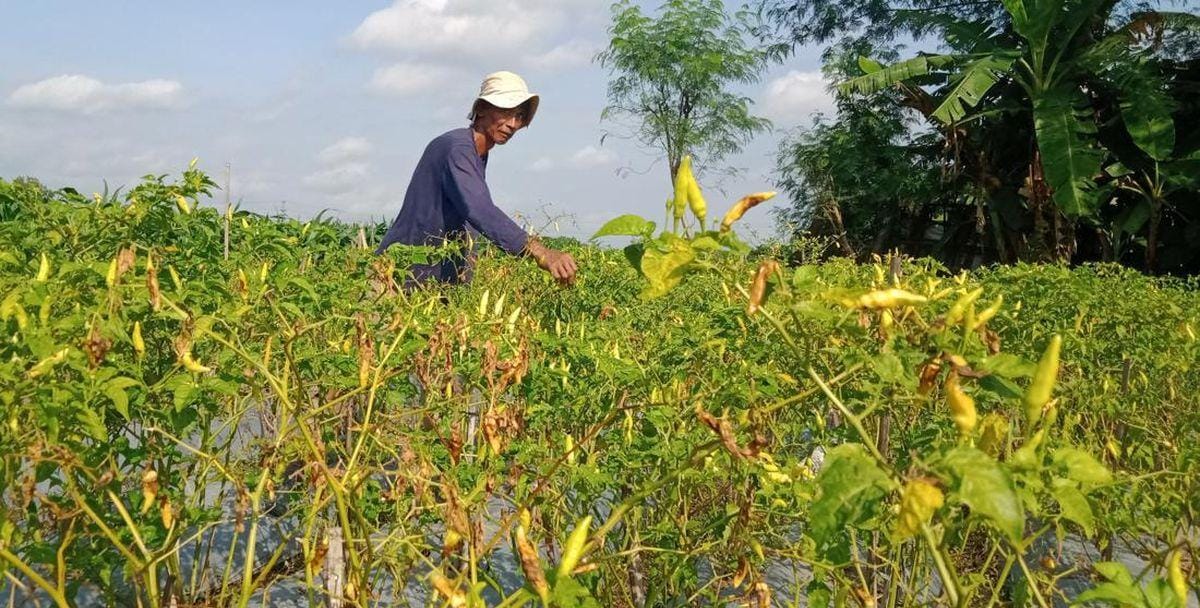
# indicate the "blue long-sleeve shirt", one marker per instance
pixel 448 199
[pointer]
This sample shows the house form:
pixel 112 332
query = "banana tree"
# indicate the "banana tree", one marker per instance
pixel 1152 188
pixel 1056 53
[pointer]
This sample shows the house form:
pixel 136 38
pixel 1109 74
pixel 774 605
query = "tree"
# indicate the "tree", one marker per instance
pixel 671 75
pixel 1056 56
pixel 1062 122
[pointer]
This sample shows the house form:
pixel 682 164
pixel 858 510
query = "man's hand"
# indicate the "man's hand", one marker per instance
pixel 559 264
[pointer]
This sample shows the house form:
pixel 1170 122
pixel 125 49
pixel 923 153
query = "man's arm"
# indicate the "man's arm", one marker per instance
pixel 470 194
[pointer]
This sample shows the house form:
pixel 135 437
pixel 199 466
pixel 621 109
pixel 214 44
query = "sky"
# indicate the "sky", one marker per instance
pixel 328 105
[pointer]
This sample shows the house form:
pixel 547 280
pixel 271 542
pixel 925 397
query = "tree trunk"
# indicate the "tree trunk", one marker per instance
pixel 1002 254
pixel 834 213
pixel 1107 253
pixel 1043 247
pixel 1153 235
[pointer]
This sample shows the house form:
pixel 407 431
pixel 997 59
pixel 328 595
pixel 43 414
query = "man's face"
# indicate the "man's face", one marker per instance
pixel 500 124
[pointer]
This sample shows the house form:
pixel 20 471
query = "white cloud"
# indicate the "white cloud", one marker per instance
pixel 408 78
pixel 796 95
pixel 591 156
pixel 345 150
pixel 542 165
pixel 571 54
pixel 77 93
pixel 338 179
pixel 344 167
pixel 469 27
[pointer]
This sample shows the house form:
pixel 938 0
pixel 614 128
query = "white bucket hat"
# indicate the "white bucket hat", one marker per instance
pixel 506 90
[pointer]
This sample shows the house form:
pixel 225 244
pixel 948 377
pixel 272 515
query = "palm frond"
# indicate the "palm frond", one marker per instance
pixel 887 76
pixel 1065 137
pixel 970 85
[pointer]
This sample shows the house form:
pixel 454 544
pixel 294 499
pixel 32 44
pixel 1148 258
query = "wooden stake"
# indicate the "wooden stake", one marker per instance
pixel 228 211
pixel 335 568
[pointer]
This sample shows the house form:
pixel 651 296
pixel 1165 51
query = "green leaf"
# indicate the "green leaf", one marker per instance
pixel 570 594
pixel 1158 594
pixel 1069 161
pixel 304 285
pixel 1033 20
pixel 1074 505
pixel 1115 572
pixel 665 270
pixel 1008 365
pixel 890 369
pixel 1144 98
pixel 851 491
pixel 182 388
pixel 986 487
pixel 119 398
pixel 1120 595
pixel 628 225
pixel 1133 217
pixel 633 253
pixel 885 77
pixel 970 85
pixel 1147 116
pixel 1001 386
pixel 818 594
pixel 1081 466
pixel 868 65
pixel 93 423
pixel 705 243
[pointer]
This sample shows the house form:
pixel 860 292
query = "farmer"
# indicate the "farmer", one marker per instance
pixel 448 197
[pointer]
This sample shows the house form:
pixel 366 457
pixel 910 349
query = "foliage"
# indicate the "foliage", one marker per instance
pixel 1091 85
pixel 294 389
pixel 671 75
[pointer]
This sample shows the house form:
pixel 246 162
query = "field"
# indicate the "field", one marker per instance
pixel 186 427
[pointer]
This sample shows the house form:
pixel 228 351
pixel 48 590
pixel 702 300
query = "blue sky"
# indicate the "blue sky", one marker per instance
pixel 321 105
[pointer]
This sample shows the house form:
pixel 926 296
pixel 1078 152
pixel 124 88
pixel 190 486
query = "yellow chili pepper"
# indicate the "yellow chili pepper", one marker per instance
pixel 888 298
pixel 47 364
pixel 569 448
pixel 455 597
pixel 167 513
pixel 149 489
pixel 1175 576
pixel 139 345
pixel 110 279
pixel 743 205
pixel 681 187
pixel 182 203
pixel 192 365
pixel 695 198
pixel 1043 381
pixel 959 308
pixel 962 406
pixel 43 269
pixel 573 549
pixel 986 314
pixel 919 500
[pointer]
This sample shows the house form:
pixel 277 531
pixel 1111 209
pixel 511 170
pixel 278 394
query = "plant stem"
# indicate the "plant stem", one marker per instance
pixel 50 589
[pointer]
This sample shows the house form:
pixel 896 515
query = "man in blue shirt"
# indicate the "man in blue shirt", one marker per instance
pixel 448 197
